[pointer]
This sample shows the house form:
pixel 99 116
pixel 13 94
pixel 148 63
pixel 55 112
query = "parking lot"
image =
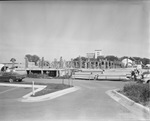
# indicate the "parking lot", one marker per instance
pixel 12 92
pixel 76 106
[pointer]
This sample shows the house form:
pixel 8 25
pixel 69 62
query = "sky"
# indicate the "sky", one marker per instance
pixel 52 29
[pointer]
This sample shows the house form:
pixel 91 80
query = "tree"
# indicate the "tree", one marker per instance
pixel 13 61
pixel 61 63
pixel 33 58
pixel 83 59
pixel 29 57
pixel 42 62
pixel 46 63
pixel 100 58
pixel 145 61
pixel 78 58
pixel 123 58
pixel 112 58
pixel 137 58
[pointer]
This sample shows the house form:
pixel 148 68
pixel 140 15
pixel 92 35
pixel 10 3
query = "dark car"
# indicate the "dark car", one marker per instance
pixel 11 76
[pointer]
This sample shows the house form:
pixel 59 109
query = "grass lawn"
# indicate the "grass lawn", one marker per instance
pixel 51 88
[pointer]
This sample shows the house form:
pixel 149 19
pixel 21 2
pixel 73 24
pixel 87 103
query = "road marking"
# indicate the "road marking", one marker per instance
pixel 8 90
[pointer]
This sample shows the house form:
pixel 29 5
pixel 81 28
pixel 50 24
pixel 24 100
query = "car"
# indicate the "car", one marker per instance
pixel 145 78
pixel 128 76
pixel 11 76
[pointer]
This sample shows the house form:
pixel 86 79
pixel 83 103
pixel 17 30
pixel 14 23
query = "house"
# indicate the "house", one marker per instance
pixel 127 62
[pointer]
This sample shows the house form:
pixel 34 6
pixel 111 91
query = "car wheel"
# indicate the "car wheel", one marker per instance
pixel 10 80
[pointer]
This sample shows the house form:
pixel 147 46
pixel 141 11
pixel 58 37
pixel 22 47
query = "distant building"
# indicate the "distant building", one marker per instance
pixel 98 53
pixel 10 64
pixel 127 62
pixel 90 55
pixel 94 55
pixel 131 62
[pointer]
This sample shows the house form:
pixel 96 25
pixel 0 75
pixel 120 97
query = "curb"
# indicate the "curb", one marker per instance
pixel 139 110
pixel 22 85
pixel 28 98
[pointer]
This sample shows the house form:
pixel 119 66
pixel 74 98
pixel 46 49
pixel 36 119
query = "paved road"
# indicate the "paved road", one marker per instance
pixel 90 103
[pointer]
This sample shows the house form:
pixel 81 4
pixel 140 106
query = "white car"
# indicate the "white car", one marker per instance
pixel 146 78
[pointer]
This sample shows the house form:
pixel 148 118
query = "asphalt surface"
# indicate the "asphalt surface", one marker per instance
pixel 89 103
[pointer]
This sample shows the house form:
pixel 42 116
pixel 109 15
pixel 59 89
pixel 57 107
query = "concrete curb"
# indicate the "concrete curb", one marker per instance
pixel 28 98
pixel 22 85
pixel 139 110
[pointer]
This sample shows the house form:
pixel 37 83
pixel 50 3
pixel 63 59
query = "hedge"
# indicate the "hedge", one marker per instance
pixel 138 92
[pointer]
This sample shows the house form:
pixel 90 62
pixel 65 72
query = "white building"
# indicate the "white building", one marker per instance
pixel 98 53
pixel 90 55
pixel 127 62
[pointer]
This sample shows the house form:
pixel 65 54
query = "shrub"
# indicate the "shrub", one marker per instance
pixel 35 75
pixel 138 92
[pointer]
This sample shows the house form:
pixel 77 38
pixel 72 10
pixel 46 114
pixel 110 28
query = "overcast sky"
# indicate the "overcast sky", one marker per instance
pixel 69 29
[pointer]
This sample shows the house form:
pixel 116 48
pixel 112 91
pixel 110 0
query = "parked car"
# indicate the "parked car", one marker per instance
pixel 11 76
pixel 128 76
pixel 145 77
